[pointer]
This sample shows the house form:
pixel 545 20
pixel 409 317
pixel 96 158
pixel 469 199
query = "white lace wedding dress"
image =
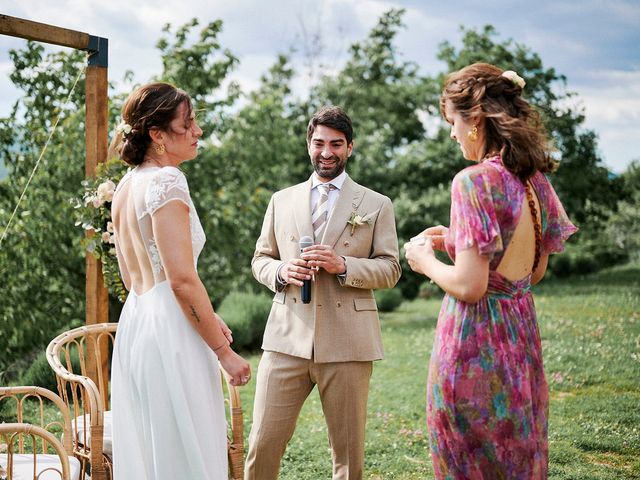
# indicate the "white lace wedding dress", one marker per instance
pixel 166 395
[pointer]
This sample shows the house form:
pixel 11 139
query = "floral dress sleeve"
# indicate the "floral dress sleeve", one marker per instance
pixel 168 185
pixel 556 226
pixel 473 212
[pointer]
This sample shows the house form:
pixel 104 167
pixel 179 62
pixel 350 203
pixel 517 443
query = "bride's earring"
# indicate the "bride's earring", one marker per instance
pixel 159 148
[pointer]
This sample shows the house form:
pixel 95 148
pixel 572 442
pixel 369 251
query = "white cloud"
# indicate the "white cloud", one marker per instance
pixel 612 108
pixel 618 10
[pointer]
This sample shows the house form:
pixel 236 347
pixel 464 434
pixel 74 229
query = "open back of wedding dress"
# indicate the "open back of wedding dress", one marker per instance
pixel 166 393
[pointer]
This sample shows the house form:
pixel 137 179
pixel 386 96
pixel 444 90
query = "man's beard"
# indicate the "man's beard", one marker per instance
pixel 329 173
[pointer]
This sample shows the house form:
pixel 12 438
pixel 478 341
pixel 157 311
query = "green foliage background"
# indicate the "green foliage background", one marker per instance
pixel 255 144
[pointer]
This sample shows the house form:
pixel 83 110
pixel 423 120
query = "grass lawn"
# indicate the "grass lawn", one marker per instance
pixel 590 330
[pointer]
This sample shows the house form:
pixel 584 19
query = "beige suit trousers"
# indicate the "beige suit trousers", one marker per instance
pixel 283 384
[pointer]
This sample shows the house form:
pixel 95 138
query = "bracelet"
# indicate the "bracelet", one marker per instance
pixel 225 344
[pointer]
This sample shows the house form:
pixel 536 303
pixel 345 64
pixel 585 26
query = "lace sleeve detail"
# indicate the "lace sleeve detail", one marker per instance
pixel 167 185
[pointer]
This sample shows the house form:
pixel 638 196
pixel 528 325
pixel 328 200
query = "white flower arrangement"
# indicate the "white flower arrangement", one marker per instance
pixel 357 220
pixel 515 78
pixel 103 194
pixel 124 128
pixel 93 215
pixel 105 191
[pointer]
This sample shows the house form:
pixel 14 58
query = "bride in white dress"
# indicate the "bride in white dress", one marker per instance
pixel 166 394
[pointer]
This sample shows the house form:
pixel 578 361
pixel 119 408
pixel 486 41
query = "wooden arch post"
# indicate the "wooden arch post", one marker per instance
pixel 96 131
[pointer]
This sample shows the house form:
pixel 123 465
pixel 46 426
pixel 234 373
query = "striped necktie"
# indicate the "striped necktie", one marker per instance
pixel 320 210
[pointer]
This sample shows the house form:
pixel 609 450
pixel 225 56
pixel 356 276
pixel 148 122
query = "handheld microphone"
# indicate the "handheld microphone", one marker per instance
pixel 305 290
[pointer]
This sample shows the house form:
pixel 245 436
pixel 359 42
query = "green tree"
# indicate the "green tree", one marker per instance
pixel 623 226
pixel 258 147
pixel 260 150
pixel 41 267
pixel 384 97
pixel 200 68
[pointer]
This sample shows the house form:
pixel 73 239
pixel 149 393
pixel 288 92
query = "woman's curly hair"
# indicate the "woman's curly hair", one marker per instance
pixel 512 126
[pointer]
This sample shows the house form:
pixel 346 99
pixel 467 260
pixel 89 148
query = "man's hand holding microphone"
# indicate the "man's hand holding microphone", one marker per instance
pixel 300 271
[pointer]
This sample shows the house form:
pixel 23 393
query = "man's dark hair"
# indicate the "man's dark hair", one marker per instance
pixel 332 117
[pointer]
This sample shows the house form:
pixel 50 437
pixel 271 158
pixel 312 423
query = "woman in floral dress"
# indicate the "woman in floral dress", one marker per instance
pixel 487 397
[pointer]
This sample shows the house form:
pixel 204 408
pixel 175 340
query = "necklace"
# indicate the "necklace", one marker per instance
pixel 537 228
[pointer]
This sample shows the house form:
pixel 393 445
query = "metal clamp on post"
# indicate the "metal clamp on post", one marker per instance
pixel 98 49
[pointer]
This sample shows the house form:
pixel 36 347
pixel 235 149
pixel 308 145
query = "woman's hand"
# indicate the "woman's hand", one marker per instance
pixel 235 366
pixel 418 253
pixel 437 234
pixel 224 327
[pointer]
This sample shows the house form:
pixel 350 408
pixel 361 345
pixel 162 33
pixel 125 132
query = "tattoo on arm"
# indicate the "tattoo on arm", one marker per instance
pixel 194 314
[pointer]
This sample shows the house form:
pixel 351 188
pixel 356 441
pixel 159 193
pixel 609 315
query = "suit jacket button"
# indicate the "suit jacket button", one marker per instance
pixel 339 304
pixel 346 243
pixel 295 299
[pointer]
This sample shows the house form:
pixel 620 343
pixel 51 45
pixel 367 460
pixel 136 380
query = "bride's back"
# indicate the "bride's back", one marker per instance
pixel 158 132
pixel 134 231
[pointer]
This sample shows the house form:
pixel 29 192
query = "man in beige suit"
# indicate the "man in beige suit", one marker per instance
pixel 332 341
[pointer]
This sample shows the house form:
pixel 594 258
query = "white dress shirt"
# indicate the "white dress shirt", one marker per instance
pixel 315 193
pixel 333 194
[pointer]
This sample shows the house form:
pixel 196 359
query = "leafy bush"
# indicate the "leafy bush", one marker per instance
pixel 588 256
pixel 428 207
pixel 40 374
pixel 246 315
pixel 559 265
pixel 430 290
pixel 388 299
pixel 623 228
pixel 573 262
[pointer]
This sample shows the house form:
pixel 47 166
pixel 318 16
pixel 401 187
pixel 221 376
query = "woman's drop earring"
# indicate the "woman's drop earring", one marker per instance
pixel 159 148
pixel 473 133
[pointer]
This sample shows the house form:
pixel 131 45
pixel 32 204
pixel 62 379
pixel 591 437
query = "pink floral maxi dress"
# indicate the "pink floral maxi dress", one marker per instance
pixel 487 396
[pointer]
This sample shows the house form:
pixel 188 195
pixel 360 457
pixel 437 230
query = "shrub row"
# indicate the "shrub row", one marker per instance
pixel 388 299
pixel 581 259
pixel 246 315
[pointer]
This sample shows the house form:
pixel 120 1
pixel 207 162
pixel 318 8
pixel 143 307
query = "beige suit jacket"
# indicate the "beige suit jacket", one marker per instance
pixel 341 323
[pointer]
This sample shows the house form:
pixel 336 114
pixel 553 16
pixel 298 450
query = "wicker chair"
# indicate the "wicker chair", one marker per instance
pixel 68 355
pixel 32 449
pixel 235 433
pixel 86 393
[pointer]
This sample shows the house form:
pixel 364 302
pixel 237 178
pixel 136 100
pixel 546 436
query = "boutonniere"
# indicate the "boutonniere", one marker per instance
pixel 356 220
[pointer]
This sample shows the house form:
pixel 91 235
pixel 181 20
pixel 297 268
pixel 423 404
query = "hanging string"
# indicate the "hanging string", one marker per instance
pixel 44 149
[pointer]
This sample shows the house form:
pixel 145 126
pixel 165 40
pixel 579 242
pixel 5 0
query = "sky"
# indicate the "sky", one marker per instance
pixel 594 43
